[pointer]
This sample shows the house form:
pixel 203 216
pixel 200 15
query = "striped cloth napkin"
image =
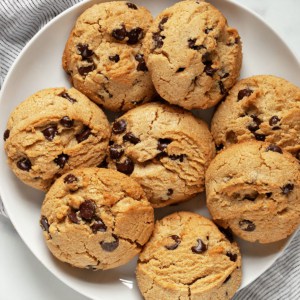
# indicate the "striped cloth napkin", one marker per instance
pixel 19 21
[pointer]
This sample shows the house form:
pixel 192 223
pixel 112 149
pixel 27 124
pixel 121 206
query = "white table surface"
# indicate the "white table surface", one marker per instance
pixel 22 276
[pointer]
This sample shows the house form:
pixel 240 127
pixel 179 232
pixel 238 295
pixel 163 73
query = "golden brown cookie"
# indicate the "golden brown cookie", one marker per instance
pixel 187 257
pixel 193 56
pixel 254 188
pixel 164 148
pixel 262 107
pixel 103 55
pixel 53 131
pixel 96 218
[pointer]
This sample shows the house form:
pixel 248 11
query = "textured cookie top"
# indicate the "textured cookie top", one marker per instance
pixel 187 257
pixel 166 149
pixel 53 131
pixel 104 58
pixel 192 54
pixel 254 188
pixel 265 108
pixel 96 218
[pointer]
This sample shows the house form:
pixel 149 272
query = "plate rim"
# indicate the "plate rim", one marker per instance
pixel 243 7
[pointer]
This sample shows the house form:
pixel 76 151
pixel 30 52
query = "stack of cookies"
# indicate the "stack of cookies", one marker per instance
pixel 103 181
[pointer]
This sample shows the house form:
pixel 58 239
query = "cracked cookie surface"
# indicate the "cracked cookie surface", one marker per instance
pixel 96 218
pixel 192 55
pixel 53 131
pixel 165 149
pixel 103 55
pixel 254 189
pixel 263 107
pixel 187 257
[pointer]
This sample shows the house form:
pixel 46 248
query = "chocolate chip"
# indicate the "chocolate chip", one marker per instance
pixel 6 134
pixel 84 50
pixel 170 192
pixel 131 5
pixel 244 93
pixel 210 71
pixel 68 97
pixel 73 217
pixel 44 223
pixel 273 120
pixel 268 195
pixel 163 144
pixel 219 147
pixel 251 197
pixel 260 137
pixel 162 22
pixel 130 137
pixel 83 135
pixel 276 128
pixel 207 30
pixel 231 137
pixel 119 126
pixel 298 155
pixel 116 151
pixel 135 35
pixel 158 40
pixel 286 189
pixel 227 279
pixel 233 257
pixel 179 70
pixel 274 148
pixel 70 178
pixel 61 160
pixel 98 226
pixel 225 75
pixel 200 248
pixel 24 164
pixel 192 44
pixel 247 225
pixel 104 163
pixel 67 122
pixel 177 241
pixel 142 64
pixel 228 233
pixel 110 246
pixel 126 167
pixel 179 157
pixel 222 88
pixel 114 58
pixel 119 34
pixel 87 209
pixel 83 71
pixel 50 132
pixel 254 126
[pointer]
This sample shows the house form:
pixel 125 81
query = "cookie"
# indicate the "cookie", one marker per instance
pixel 165 149
pixel 53 131
pixel 96 218
pixel 193 56
pixel 263 108
pixel 253 188
pixel 103 55
pixel 187 257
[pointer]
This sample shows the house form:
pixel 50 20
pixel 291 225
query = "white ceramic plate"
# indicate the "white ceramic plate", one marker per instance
pixel 39 66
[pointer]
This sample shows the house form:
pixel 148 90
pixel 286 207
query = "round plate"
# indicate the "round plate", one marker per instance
pixel 39 66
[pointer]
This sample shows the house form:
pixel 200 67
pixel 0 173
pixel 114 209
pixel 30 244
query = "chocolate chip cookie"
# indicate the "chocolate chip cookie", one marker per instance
pixel 187 257
pixel 103 55
pixel 254 188
pixel 263 108
pixel 96 218
pixel 193 56
pixel 164 148
pixel 53 131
